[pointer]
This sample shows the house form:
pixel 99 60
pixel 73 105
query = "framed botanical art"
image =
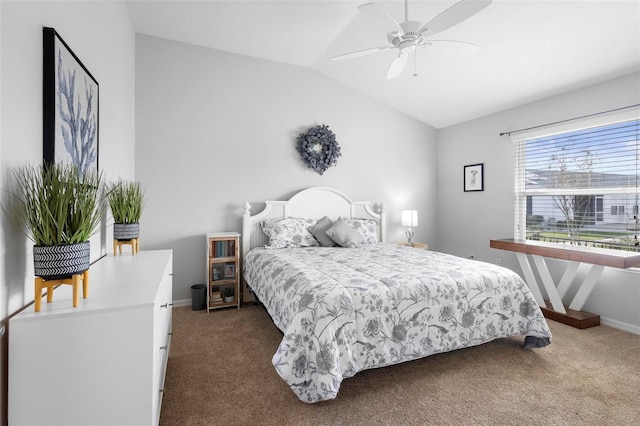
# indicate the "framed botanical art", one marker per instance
pixel 474 177
pixel 70 107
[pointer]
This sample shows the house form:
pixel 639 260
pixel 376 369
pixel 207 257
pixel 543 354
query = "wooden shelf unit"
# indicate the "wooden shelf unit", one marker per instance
pixel 223 268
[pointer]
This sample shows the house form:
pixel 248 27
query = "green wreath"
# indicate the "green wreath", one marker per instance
pixel 318 148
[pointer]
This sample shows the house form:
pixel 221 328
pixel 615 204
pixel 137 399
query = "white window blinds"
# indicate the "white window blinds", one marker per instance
pixel 580 186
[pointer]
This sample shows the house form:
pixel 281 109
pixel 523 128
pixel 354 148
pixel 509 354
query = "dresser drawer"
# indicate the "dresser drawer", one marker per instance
pixel 162 338
pixel 162 310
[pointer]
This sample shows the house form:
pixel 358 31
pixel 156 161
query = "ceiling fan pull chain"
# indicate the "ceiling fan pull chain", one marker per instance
pixel 415 64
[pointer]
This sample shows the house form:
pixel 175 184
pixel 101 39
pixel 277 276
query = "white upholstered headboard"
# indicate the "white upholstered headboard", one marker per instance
pixel 312 203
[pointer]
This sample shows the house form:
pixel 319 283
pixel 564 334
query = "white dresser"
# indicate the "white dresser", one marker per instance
pixel 102 363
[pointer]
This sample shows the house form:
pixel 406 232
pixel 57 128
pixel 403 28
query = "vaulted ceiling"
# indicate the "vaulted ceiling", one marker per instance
pixel 528 50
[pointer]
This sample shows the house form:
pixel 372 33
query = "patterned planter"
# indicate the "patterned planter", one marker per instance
pixel 126 231
pixel 55 262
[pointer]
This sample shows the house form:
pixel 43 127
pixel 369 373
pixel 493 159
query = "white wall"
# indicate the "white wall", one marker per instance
pixel 216 129
pixel 101 35
pixel 467 221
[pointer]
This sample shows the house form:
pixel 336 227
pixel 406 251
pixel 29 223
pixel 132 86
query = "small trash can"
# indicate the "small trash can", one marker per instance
pixel 198 297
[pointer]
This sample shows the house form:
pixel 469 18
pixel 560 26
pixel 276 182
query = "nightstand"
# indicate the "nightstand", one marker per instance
pixel 416 245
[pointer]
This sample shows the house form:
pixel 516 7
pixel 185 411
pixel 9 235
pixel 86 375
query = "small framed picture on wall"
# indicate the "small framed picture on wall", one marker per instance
pixel 474 177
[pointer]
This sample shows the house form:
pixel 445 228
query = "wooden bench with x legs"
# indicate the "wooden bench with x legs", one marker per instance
pixel 595 260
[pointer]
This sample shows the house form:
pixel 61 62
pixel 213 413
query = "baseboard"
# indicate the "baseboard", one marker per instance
pixel 620 325
pixel 183 302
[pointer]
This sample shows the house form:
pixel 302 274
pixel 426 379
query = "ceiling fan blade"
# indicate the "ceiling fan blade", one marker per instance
pixel 373 10
pixel 360 53
pixel 398 64
pixel 450 47
pixel 457 13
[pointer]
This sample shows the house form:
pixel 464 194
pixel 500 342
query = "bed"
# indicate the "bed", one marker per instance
pixel 370 304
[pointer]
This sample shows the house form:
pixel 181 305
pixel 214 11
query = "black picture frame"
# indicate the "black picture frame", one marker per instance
pixel 70 113
pixel 474 177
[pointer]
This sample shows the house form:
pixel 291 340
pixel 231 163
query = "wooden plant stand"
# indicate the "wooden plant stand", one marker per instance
pixel 134 243
pixel 50 285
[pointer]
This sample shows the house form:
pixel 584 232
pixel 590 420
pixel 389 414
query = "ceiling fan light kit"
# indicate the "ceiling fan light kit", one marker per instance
pixel 413 34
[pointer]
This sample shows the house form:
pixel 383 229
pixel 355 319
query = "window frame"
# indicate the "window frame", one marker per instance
pixel 522 195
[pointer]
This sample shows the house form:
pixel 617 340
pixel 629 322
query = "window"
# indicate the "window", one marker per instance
pixel 580 186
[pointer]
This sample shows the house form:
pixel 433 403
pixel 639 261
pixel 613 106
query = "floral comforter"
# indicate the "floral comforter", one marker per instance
pixel 346 310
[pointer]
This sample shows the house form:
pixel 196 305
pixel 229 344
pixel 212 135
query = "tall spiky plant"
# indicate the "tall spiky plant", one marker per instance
pixel 56 205
pixel 126 201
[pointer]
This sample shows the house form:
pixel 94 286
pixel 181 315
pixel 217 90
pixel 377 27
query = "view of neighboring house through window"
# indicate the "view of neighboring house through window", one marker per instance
pixel 580 187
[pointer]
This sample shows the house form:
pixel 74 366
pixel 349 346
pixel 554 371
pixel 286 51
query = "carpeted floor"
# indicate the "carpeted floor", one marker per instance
pixel 220 373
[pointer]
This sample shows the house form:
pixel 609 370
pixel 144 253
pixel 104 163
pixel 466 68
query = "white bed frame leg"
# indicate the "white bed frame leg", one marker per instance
pixel 246 230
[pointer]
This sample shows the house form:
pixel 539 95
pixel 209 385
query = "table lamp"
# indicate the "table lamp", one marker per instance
pixel 410 220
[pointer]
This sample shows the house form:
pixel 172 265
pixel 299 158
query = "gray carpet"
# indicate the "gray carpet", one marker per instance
pixel 220 373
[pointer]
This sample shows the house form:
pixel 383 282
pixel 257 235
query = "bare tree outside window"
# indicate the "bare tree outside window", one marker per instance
pixel 571 169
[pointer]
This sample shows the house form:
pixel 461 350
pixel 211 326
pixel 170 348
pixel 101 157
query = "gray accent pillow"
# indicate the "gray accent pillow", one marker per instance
pixel 344 235
pixel 319 230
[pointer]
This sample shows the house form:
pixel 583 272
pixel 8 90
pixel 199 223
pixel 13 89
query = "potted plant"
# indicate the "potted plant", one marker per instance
pixel 126 200
pixel 59 209
pixel 229 294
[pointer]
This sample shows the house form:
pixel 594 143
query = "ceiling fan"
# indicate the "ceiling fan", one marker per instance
pixel 413 34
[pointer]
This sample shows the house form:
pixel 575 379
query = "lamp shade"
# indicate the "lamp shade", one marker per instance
pixel 410 218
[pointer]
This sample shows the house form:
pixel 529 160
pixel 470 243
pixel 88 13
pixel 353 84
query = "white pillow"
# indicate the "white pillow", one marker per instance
pixel 368 228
